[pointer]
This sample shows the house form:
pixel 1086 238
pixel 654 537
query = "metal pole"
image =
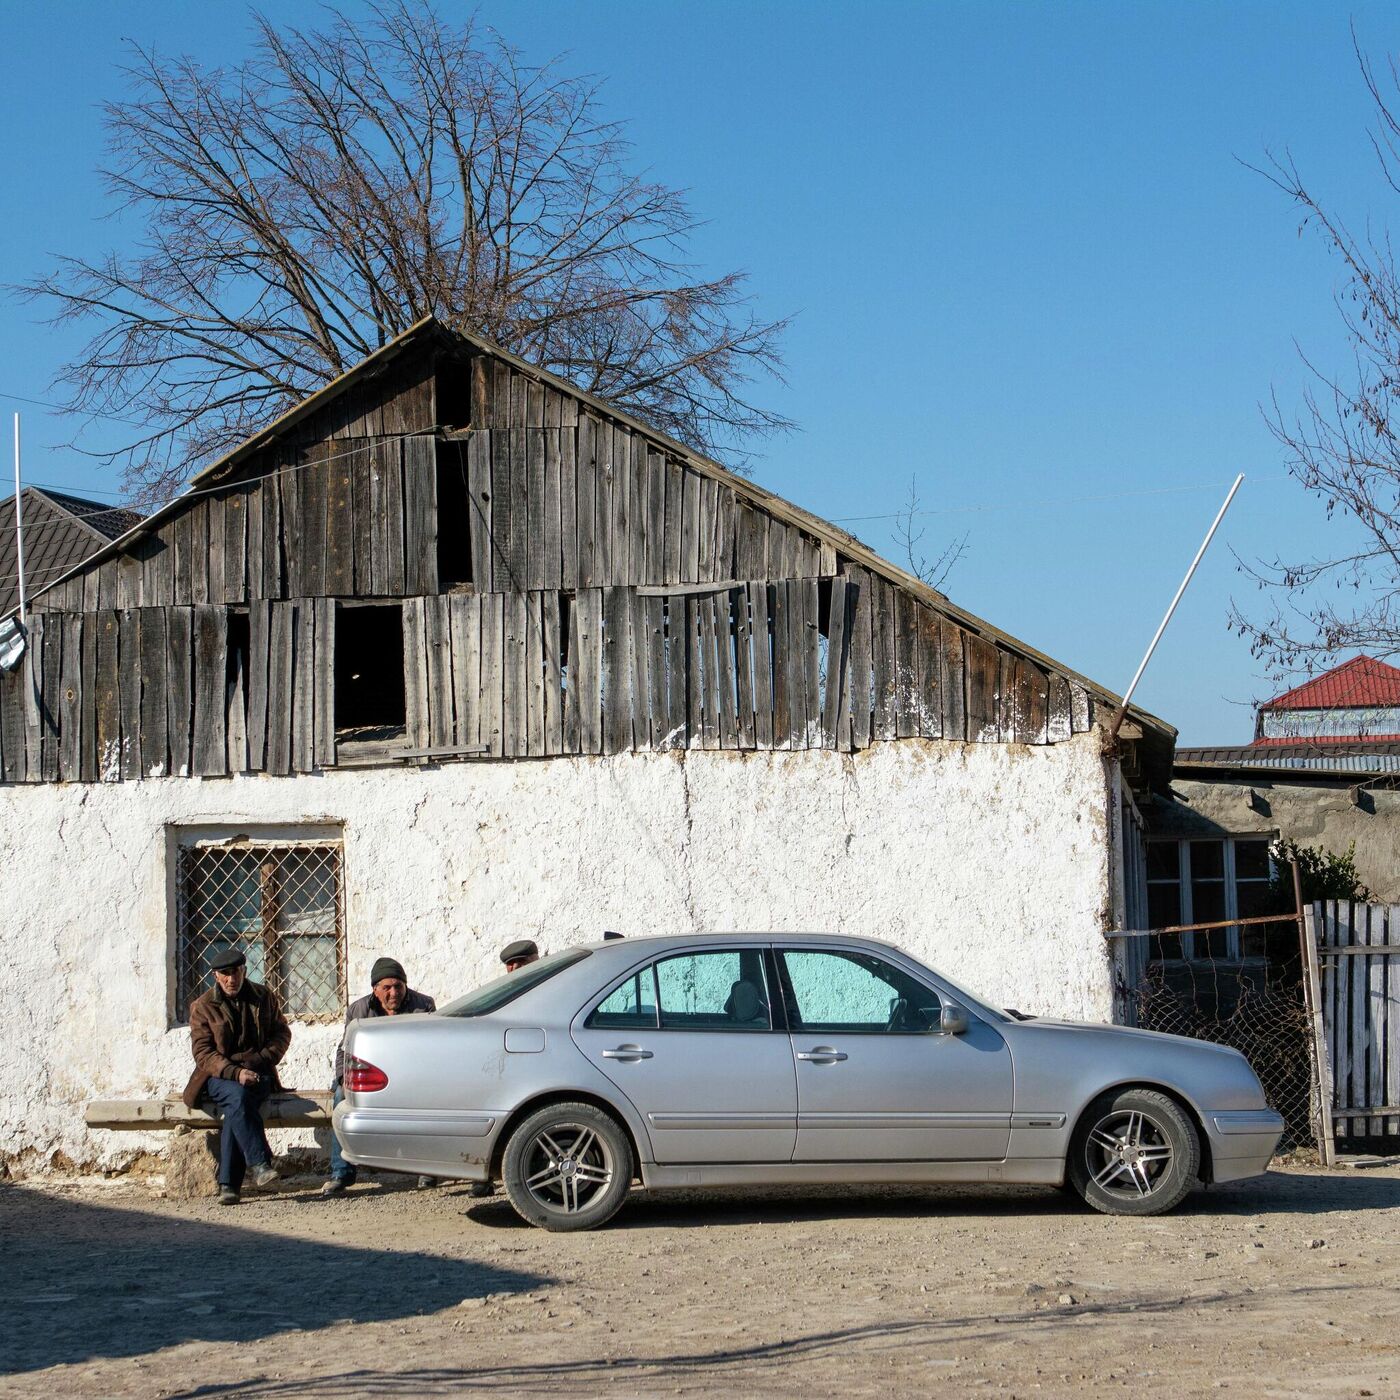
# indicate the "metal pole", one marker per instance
pixel 1205 544
pixel 19 531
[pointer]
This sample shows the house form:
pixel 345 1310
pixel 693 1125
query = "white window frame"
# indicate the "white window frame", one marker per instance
pixel 1232 909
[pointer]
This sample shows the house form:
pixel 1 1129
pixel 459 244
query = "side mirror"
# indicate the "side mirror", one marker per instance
pixel 953 1020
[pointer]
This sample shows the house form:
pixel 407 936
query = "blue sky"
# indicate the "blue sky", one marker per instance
pixel 1026 264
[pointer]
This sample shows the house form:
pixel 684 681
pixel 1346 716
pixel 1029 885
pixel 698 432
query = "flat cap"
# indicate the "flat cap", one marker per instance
pixel 228 960
pixel 521 948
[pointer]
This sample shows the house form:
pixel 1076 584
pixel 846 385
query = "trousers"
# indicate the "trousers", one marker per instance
pixel 242 1137
pixel 341 1170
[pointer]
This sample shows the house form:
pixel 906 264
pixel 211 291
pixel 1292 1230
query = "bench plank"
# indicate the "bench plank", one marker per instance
pixel 290 1109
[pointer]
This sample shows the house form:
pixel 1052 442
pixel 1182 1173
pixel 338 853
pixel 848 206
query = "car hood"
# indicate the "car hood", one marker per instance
pixel 1122 1034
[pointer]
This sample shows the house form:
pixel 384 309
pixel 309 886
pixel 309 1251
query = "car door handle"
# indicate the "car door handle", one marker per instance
pixel 627 1052
pixel 822 1055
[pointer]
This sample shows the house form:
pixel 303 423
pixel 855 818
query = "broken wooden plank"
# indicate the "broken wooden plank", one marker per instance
pixel 982 667
pixel 259 644
pixel 514 716
pixel 420 513
pixel 478 454
pixel 761 627
pixel 811 663
pixel 1059 723
pixel 1081 714
pixel 209 751
pixel 743 664
pixel 552 557
pixel 860 662
pixel 568 508
pixel 930 681
pixel 534 676
pixel 884 659
pixel 69 700
pixel 492 733
pixel 784 701
pixel 908 666
pixel 415 674
pixel 155 750
pixel 130 668
pixel 236 723
pixel 617 679
pixel 585 478
pixel 553 673
pixel 1006 697
pixel 324 738
pixel 107 709
pixel 1032 702
pixel 464 630
pixel 836 702
pixel 951 680
pixel 341 523
pixel 437 641
pixel 536 509
pixel 690 527
pixel 586 667
pixel 279 689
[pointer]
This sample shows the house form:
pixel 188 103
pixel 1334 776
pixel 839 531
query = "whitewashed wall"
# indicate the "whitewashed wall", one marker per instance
pixel 991 862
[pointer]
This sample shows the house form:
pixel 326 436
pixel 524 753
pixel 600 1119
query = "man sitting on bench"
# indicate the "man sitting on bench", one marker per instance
pixel 238 1035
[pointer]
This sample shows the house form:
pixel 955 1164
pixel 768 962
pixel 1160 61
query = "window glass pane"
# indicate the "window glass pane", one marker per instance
pixel 726 991
pixel 1207 860
pixel 1163 905
pixel 631 1004
pixel 1163 862
pixel 310 977
pixel 1166 947
pixel 1251 860
pixel 856 994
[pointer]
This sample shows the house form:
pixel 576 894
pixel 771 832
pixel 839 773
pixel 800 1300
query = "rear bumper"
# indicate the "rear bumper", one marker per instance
pixel 452 1144
pixel 1242 1142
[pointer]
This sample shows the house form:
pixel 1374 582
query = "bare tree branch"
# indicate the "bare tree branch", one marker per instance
pixel 1342 446
pixel 911 536
pixel 307 205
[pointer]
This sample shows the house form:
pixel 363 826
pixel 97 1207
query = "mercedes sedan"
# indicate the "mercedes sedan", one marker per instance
pixel 765 1059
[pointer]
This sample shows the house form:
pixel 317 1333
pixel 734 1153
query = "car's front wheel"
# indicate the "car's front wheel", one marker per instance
pixel 567 1167
pixel 1135 1152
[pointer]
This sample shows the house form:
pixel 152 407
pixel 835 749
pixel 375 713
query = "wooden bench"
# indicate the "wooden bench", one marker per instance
pixel 189 1162
pixel 291 1108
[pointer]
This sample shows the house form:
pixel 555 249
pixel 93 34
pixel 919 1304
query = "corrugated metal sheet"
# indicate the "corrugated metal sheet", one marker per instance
pixel 1381 758
pixel 60 531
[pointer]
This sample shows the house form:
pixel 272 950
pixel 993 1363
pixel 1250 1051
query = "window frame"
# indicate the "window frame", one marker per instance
pixel 1186 901
pixel 789 996
pixel 189 844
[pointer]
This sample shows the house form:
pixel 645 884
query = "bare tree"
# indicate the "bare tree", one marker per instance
pixel 305 206
pixel 910 535
pixel 1343 445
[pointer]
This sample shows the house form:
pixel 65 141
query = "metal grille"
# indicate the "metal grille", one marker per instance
pixel 282 904
pixel 1264 1019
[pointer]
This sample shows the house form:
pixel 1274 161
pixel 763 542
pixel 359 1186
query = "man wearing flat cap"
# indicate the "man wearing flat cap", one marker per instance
pixel 519 954
pixel 389 995
pixel 238 1035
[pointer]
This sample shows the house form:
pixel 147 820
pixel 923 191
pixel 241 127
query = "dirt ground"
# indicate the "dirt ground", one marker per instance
pixel 1286 1285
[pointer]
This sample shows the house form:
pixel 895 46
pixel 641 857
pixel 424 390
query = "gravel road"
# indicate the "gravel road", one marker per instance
pixel 1286 1285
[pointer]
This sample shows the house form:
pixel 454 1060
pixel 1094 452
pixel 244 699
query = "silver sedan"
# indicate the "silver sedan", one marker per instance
pixel 763 1059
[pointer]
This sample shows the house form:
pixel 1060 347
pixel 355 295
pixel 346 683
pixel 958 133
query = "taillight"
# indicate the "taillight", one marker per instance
pixel 361 1077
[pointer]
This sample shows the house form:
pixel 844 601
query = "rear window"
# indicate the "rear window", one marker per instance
pixel 505 989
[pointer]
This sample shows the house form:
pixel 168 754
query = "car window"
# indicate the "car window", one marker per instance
pixel 854 994
pixel 631 1004
pixel 497 993
pixel 719 990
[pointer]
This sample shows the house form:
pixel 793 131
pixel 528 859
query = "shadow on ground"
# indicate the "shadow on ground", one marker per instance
pixel 83 1281
pixel 1274 1193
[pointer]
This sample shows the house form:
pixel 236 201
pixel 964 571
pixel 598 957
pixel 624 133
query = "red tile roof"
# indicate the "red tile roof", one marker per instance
pixel 1355 683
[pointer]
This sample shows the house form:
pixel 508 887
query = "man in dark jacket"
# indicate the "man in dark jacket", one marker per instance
pixel 389 995
pixel 238 1035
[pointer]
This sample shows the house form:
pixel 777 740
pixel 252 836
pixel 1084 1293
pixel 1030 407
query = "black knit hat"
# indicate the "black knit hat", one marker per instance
pixel 386 967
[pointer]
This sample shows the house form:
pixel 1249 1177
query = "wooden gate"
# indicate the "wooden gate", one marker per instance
pixel 1358 997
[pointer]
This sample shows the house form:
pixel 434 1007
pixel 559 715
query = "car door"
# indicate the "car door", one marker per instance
pixel 876 1079
pixel 690 1040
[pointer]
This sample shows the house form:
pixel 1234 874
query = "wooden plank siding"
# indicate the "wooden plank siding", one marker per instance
pixel 620 599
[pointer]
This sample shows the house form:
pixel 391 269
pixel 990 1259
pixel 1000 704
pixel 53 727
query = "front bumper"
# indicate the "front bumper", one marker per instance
pixel 1242 1142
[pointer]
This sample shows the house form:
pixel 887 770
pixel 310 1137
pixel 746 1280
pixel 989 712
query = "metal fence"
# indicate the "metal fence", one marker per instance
pixel 281 903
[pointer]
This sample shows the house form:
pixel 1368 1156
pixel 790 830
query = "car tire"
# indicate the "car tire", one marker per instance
pixel 567 1166
pixel 1134 1152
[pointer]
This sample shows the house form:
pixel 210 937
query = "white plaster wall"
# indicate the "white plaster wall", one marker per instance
pixel 991 862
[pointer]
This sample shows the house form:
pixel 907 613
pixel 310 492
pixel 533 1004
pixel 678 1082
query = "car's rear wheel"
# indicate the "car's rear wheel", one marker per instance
pixel 1135 1152
pixel 567 1167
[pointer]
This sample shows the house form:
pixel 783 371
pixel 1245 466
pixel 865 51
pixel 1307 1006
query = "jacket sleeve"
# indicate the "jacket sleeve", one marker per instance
pixel 206 1054
pixel 352 1013
pixel 432 1004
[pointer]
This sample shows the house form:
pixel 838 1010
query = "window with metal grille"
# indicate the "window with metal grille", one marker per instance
pixel 281 903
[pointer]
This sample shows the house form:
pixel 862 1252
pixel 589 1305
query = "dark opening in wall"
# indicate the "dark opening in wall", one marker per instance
pixel 454 536
pixel 236 656
pixel 369 692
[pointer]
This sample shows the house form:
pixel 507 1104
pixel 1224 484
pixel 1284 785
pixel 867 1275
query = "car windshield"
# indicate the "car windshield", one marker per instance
pixel 505 989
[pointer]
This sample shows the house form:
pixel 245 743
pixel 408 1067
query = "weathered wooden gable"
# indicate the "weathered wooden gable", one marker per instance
pixel 562 580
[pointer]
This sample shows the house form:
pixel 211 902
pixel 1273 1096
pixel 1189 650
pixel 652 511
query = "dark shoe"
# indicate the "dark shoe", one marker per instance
pixel 229 1196
pixel 336 1186
pixel 424 1182
pixel 482 1189
pixel 265 1175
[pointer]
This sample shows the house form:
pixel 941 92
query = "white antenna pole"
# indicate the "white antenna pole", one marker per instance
pixel 1205 544
pixel 19 531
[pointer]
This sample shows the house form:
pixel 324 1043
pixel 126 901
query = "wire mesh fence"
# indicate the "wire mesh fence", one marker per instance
pixel 1258 1011
pixel 280 904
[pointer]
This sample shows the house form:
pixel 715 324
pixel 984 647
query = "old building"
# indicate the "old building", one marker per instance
pixel 60 530
pixel 453 654
pixel 1322 770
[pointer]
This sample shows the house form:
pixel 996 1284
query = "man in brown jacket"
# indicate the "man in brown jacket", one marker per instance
pixel 238 1034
